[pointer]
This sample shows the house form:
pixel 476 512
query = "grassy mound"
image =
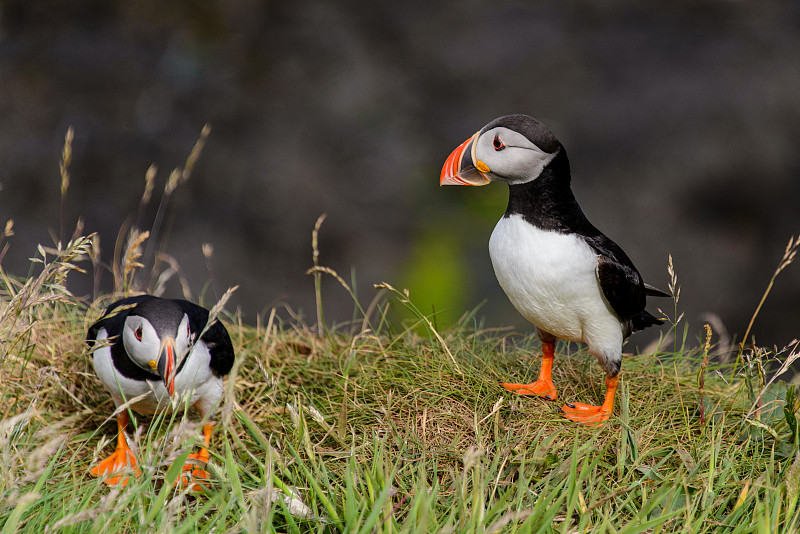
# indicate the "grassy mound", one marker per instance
pixel 371 429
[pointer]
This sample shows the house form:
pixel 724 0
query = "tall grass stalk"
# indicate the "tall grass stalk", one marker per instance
pixel 315 271
pixel 63 166
pixel 788 257
pixel 177 177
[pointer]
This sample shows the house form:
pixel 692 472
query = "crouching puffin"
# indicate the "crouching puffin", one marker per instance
pixel 559 271
pixel 152 349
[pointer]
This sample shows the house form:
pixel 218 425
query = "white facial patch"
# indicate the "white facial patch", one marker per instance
pixel 141 341
pixel 519 161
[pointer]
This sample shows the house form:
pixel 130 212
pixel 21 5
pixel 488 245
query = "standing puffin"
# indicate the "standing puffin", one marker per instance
pixel 153 350
pixel 559 271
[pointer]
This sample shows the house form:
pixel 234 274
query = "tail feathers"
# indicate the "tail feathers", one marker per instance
pixel 643 320
pixel 651 291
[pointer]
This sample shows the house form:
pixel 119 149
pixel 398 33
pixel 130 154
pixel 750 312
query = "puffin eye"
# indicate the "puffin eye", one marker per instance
pixel 138 333
pixel 497 143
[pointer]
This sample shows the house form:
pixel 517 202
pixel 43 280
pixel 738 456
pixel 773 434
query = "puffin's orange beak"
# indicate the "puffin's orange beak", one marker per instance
pixel 459 168
pixel 166 364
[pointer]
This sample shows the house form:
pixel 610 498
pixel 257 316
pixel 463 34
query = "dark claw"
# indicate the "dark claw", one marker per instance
pixel 570 405
pixel 547 397
pixel 561 411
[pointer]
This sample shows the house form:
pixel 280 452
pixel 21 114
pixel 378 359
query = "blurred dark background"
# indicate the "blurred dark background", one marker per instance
pixel 681 125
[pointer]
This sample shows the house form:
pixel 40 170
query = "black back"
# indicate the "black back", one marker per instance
pixel 216 337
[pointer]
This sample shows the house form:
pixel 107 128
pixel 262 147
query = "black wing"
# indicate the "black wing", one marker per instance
pixel 216 337
pixel 621 283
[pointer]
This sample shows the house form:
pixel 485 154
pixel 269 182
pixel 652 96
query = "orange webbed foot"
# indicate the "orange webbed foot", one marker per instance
pixel 590 414
pixel 121 460
pixel 585 413
pixel 192 475
pixel 543 388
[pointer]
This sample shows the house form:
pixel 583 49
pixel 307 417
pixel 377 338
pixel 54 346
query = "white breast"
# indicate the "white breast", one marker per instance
pixel 551 279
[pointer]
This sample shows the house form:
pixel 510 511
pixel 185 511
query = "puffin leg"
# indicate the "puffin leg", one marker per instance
pixel 191 469
pixel 544 386
pixel 593 415
pixel 120 459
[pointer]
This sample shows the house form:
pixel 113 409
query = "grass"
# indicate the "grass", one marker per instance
pixel 381 426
